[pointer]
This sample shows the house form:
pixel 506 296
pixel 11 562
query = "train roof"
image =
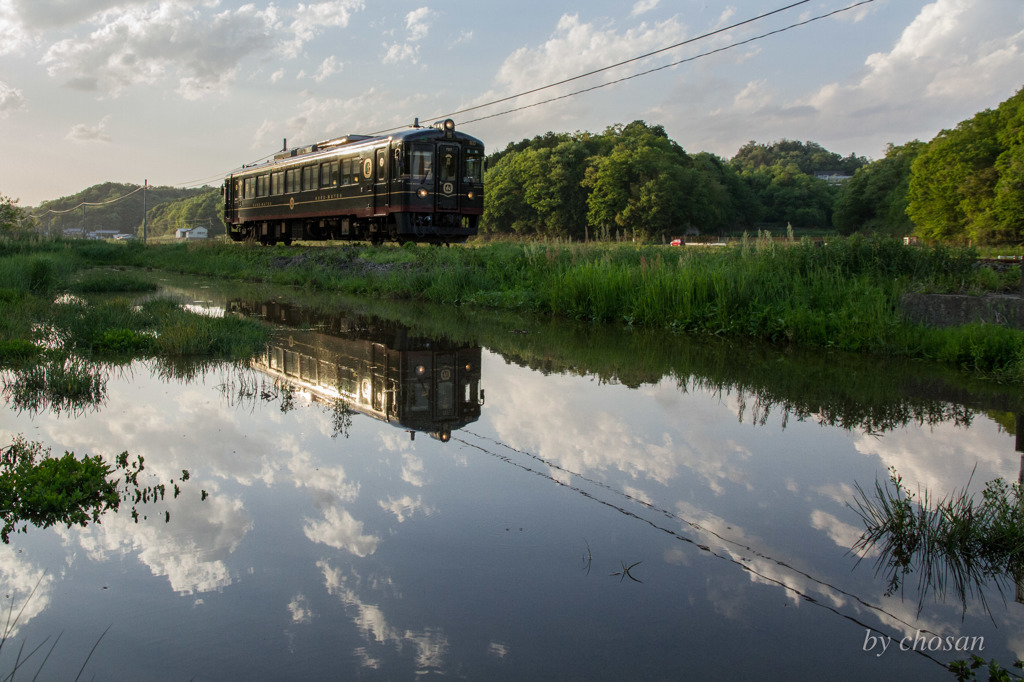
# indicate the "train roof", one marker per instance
pixel 440 130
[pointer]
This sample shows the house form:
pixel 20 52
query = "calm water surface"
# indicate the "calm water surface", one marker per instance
pixel 509 500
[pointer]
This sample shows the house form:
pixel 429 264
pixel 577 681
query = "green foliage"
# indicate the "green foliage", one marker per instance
pixel 968 670
pixel 39 489
pixel 875 198
pixel 124 342
pixel 43 490
pixel 966 184
pixel 106 281
pixel 809 158
pixel 17 351
pixel 203 209
pixel 59 384
pixel 631 180
pixel 13 218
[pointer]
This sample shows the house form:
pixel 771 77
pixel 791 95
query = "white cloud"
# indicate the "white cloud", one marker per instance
pixel 328 68
pixel 312 19
pixel 200 48
pixel 44 14
pixel 83 133
pixel 14 35
pixel 954 59
pixel 574 48
pixel 417 23
pixel 11 99
pixel 340 530
pixel 643 6
pixel 27 589
pixel 145 45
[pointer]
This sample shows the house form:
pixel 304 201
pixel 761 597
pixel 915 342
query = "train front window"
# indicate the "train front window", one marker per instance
pixel 473 166
pixel 421 163
pixel 449 166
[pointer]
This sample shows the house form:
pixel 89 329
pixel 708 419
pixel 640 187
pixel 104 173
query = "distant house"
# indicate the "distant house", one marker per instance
pixel 191 233
pixel 103 234
pixel 833 177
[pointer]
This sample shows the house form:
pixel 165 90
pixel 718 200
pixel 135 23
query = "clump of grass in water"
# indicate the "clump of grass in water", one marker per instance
pixel 69 385
pixel 956 544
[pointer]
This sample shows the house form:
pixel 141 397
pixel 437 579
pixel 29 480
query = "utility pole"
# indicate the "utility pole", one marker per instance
pixel 145 188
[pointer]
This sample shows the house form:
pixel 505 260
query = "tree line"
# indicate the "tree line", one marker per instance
pixel 633 180
pixel 964 186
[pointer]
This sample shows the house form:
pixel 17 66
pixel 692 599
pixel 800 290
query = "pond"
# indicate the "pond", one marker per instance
pixel 401 492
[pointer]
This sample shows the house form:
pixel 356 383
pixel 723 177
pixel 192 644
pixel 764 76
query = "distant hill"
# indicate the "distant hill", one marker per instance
pixel 119 207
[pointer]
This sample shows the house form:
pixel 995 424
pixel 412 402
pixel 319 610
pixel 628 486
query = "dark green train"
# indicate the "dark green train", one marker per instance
pixel 423 184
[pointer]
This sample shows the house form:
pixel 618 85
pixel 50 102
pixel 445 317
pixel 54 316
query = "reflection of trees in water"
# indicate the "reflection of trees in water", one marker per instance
pixel 958 545
pixel 41 490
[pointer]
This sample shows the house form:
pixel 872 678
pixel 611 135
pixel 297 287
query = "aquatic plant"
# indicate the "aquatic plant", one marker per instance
pixel 60 384
pixel 42 490
pixel 957 544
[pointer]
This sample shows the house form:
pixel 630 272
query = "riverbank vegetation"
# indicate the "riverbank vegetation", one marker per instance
pixel 843 295
pixel 59 306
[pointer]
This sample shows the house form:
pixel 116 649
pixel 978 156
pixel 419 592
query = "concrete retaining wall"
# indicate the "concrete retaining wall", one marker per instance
pixel 950 310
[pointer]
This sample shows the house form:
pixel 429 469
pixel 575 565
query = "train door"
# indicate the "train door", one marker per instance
pixel 448 177
pixel 380 182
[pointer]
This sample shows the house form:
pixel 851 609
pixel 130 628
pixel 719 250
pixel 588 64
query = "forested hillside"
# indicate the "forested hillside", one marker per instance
pixel 117 206
pixel 633 180
pixel 964 186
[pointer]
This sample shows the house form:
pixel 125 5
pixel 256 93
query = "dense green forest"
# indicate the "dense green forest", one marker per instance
pixel 965 186
pixel 117 206
pixel 633 180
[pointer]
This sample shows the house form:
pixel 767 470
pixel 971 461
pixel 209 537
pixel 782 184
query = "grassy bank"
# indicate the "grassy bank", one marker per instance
pixel 843 295
pixel 57 308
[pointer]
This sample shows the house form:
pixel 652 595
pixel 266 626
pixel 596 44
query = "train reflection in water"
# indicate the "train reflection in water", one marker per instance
pixel 376 366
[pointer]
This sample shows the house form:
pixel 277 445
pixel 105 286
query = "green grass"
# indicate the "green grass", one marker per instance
pixel 842 295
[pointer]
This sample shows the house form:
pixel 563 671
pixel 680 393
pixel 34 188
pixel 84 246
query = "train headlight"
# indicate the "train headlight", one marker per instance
pixel 422 193
pixel 420 370
pixel 469 195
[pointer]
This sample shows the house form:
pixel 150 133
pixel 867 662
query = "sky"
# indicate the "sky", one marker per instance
pixel 180 92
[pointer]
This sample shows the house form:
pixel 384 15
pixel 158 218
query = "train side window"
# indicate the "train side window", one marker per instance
pixel 334 173
pixel 277 183
pixel 422 163
pixel 346 171
pixel 473 166
pixel 292 180
pixel 263 185
pixel 396 164
pixel 307 178
pixel 250 188
pixel 325 175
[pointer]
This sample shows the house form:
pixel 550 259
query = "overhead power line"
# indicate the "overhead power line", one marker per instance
pixel 650 71
pixel 92 203
pixel 688 41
